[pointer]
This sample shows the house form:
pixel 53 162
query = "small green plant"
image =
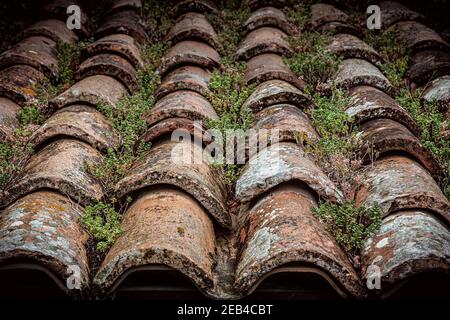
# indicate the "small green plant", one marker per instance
pixel 14 153
pixel 228 24
pixel 394 52
pixel 300 14
pixel 227 92
pixel 68 60
pixel 312 60
pixel 30 114
pixel 155 18
pixel 350 225
pixel 430 121
pixel 337 150
pixel 102 221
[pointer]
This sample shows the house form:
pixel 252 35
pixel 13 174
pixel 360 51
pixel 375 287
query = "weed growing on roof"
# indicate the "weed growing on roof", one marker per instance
pixel 102 220
pixel 228 23
pixel 16 148
pixel 311 60
pixel 394 52
pixel 155 18
pixel 350 225
pixel 431 122
pixel 69 58
pixel 227 91
pixel 14 152
pixel 300 14
pixel 337 151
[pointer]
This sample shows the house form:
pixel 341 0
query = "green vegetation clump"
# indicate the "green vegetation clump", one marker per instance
pixel 228 23
pixel 227 92
pixel 300 14
pixel 102 220
pixel 337 150
pixel 350 225
pixel 394 52
pixel 69 58
pixel 431 121
pixel 312 60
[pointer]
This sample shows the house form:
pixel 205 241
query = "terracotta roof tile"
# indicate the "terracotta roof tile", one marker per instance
pixel 400 183
pixel 269 17
pixel 189 53
pixel 59 166
pixel 41 230
pixel 193 26
pixel 269 66
pixel 196 177
pixel 276 92
pixel 263 40
pixel 91 90
pixel 280 229
pixel 181 219
pixel 162 227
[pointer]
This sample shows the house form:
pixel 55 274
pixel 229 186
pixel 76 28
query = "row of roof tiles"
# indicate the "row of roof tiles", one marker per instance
pixel 180 211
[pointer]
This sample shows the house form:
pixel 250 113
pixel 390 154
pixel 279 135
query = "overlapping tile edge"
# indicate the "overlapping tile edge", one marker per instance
pixel 275 226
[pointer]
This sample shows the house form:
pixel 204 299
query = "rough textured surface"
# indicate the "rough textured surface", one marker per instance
pixel 356 72
pixel 283 162
pixel 120 44
pixel 8 117
pixel 201 6
pixel 292 123
pixel 57 9
pixel 417 36
pixel 336 27
pixel 322 13
pixel 439 90
pixel 168 163
pixel 349 46
pixel 81 122
pixel 370 103
pixel 167 126
pixel 427 65
pixel 193 26
pixel 399 183
pixel 122 5
pixel 60 166
pixel 43 228
pixel 393 12
pixel 256 4
pixel 50 28
pixel 276 92
pixel 183 104
pixel 269 66
pixel 383 136
pixel 263 40
pixel 91 90
pixel 124 22
pixel 37 52
pixel 184 78
pixel 189 53
pixel 281 229
pixel 110 65
pixel 408 243
pixel 167 227
pixel 269 17
pixel 19 82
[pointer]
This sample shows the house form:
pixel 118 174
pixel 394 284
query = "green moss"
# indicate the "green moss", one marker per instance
pixel 394 52
pixel 69 59
pixel 350 225
pixel 431 121
pixel 103 222
pixel 311 60
pixel 227 92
